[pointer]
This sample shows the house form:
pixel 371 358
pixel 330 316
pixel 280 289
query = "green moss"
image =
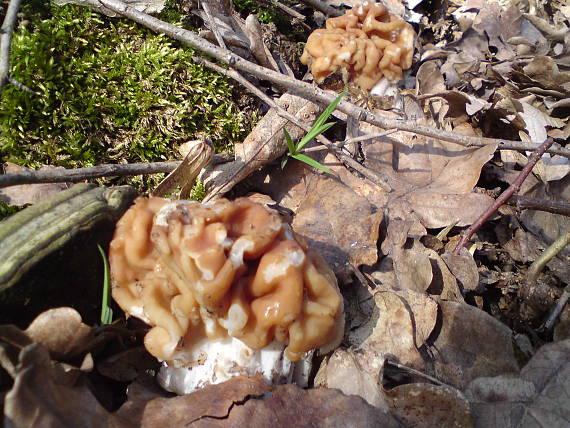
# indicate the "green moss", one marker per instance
pixel 107 91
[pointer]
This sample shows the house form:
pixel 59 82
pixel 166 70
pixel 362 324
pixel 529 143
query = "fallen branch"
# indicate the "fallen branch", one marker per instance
pixel 306 90
pixel 547 255
pixel 99 171
pixel 528 203
pixel 5 42
pixel 505 196
pixel 323 7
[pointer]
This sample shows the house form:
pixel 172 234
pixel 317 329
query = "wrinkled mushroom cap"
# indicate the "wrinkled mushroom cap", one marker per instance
pixel 367 41
pixel 221 270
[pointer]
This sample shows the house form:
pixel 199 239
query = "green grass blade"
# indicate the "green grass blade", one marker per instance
pixel 328 111
pixel 313 133
pixel 289 141
pixel 312 162
pixel 284 161
pixel 106 311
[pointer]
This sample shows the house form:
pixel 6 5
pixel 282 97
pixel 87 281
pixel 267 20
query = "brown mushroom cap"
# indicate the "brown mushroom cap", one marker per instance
pixel 367 41
pixel 218 270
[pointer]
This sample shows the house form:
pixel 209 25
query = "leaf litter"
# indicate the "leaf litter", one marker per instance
pixel 495 69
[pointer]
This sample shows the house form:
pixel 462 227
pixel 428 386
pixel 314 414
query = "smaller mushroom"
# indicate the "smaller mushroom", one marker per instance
pixel 228 289
pixel 367 42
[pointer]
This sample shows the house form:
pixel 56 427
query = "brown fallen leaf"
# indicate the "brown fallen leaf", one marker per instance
pixel 354 374
pixel 213 401
pixel 422 404
pixel 539 397
pixel 401 323
pixel 62 331
pixel 464 268
pixel 292 407
pixel 46 395
pixel 339 223
pixel 28 193
pixel 471 344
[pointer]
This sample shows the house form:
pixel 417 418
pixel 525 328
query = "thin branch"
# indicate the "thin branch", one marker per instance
pixel 505 196
pixel 6 39
pixel 547 255
pixel 283 8
pixel 373 176
pixel 108 170
pixel 323 7
pixel 557 310
pixel 528 203
pixel 303 89
pixel 212 24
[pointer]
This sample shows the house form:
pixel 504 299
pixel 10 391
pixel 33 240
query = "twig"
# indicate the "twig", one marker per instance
pixel 504 197
pixel 362 138
pixel 547 255
pixel 283 8
pixel 6 39
pixel 416 372
pixel 554 207
pixel 306 90
pixel 323 7
pixel 211 23
pixel 373 176
pixel 557 310
pixel 108 170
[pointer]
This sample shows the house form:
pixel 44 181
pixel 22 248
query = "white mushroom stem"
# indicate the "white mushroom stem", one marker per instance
pixel 215 361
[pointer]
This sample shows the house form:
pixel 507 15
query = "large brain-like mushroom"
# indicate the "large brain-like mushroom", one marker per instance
pixel 367 41
pixel 227 288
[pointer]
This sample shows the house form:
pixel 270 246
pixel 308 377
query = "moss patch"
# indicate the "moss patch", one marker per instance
pixel 107 91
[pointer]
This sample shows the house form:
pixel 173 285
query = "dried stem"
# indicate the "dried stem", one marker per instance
pixel 80 174
pixel 6 39
pixel 554 207
pixel 323 7
pixel 505 196
pixel 303 89
pixel 547 255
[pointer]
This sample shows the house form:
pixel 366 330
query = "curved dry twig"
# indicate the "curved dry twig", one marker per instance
pixel 306 90
pixel 6 40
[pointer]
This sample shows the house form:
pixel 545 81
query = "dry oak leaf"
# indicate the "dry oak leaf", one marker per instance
pixel 433 178
pixel 402 322
pixel 471 344
pixel 540 397
pixel 292 407
pixel 422 404
pixel 45 395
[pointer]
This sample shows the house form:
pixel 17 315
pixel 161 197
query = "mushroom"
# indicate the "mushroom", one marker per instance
pixel 228 289
pixel 367 42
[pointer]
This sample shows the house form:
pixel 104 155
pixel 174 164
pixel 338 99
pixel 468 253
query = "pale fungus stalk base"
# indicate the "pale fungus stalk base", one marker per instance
pixel 227 288
pixel 219 360
pixel 368 42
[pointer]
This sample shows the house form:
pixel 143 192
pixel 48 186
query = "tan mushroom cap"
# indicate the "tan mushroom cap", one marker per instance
pixel 367 41
pixel 222 269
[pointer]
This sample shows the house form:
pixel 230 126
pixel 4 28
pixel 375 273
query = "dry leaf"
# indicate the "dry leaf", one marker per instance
pixel 342 225
pixel 464 268
pixel 62 331
pixel 28 193
pixel 293 407
pixel 213 401
pixel 471 344
pixel 433 177
pixel 44 395
pixel 540 397
pixel 422 404
pixel 404 321
pixel 351 373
